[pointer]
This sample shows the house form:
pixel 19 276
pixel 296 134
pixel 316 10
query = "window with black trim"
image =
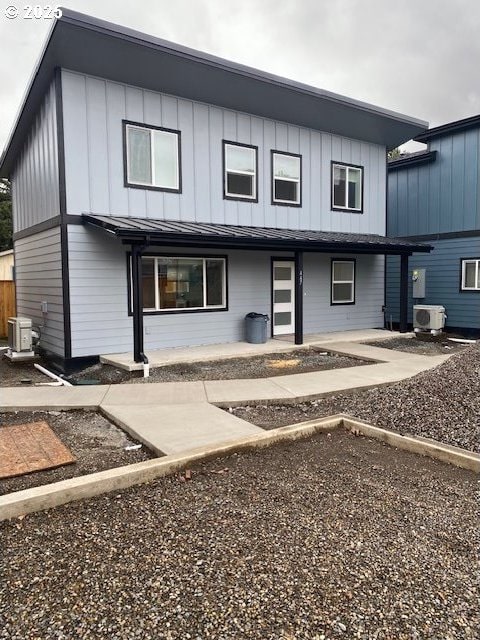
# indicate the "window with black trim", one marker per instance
pixel 343 282
pixel 470 274
pixel 347 187
pixel 152 157
pixel 183 283
pixel 240 171
pixel 286 178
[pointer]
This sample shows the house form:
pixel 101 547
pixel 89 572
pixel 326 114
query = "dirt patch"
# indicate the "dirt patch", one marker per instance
pixel 20 374
pixel 264 366
pixel 422 344
pixel 443 404
pixel 95 442
pixel 331 537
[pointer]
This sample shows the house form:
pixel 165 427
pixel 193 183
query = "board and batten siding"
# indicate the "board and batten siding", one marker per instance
pixel 320 316
pixel 38 278
pixel 35 180
pixel 93 112
pixel 101 325
pixel 442 282
pixel 439 197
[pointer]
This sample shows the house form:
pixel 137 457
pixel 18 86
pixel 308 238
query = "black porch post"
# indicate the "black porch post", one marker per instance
pixel 298 297
pixel 403 292
pixel 137 295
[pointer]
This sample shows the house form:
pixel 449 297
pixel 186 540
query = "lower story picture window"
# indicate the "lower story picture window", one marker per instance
pixel 343 282
pixel 471 274
pixel 183 283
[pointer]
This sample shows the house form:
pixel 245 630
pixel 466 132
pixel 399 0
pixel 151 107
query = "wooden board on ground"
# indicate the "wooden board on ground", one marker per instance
pixel 25 448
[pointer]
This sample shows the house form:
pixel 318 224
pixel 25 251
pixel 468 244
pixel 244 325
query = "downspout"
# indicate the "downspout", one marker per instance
pixel 137 294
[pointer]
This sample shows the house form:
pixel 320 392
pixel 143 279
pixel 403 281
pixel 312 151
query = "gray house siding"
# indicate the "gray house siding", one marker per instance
pixel 93 113
pixel 38 271
pixel 35 182
pixel 442 282
pixel 98 284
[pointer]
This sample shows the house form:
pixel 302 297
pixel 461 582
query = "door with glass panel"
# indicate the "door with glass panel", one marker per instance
pixel 283 287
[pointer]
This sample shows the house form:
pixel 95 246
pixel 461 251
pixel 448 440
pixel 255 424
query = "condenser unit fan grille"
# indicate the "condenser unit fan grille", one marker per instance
pixel 422 317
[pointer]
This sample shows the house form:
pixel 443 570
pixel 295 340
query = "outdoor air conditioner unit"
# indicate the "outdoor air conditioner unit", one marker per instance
pixel 428 317
pixel 20 339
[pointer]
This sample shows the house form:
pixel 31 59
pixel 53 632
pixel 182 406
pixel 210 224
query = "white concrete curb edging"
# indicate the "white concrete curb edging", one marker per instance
pixel 27 501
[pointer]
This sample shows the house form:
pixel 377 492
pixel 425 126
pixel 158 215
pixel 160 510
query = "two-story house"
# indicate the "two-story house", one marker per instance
pixel 161 193
pixel 434 197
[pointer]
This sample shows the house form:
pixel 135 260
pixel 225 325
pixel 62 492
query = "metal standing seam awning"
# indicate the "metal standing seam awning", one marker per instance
pixel 141 233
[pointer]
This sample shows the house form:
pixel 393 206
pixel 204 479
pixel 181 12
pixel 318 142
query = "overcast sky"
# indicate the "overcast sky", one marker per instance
pixel 418 57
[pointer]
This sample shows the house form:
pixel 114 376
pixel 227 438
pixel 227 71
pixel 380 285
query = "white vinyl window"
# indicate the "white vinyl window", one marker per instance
pixel 347 187
pixel 471 274
pixel 240 167
pixel 286 178
pixel 186 284
pixel 152 157
pixel 343 281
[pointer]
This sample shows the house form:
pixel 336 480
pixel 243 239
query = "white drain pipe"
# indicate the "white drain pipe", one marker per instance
pixel 58 379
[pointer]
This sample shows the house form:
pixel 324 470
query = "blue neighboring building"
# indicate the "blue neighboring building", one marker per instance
pixel 434 197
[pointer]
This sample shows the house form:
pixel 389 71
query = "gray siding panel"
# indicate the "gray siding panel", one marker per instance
pixel 38 269
pixel 99 314
pixel 94 109
pixel 442 282
pixel 35 183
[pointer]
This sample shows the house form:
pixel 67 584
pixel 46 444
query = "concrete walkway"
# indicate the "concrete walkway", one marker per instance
pixel 175 417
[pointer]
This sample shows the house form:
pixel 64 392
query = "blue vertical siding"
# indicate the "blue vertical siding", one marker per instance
pixel 442 282
pixel 440 197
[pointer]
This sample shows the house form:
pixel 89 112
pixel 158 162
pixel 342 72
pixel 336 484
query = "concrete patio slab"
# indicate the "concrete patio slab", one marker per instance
pixel 203 353
pixel 177 428
pixel 155 393
pixel 47 398
pixel 357 350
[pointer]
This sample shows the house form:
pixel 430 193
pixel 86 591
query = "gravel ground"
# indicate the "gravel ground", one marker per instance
pixel 264 366
pixel 94 441
pixel 355 540
pixel 12 373
pixel 425 345
pixel 443 404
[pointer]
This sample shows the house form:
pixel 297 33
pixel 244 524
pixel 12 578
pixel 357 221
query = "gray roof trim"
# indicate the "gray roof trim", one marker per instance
pixel 88 45
pixel 203 234
pixel 412 160
pixel 448 129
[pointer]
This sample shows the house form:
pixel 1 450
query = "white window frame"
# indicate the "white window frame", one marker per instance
pixel 153 184
pixel 476 262
pixel 334 282
pixel 226 171
pixel 348 168
pixel 157 309
pixel 298 181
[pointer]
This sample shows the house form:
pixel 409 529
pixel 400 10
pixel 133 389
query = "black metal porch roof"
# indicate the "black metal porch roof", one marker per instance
pixel 205 234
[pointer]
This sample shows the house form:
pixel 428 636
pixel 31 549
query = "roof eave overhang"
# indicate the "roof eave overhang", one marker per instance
pixel 413 161
pixel 87 45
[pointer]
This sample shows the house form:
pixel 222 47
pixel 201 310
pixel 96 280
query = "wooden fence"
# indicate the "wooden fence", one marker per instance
pixel 7 304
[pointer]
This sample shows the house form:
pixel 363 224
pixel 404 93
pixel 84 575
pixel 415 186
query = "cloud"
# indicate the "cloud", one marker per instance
pixel 418 58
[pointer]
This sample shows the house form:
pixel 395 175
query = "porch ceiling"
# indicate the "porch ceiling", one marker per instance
pixel 200 234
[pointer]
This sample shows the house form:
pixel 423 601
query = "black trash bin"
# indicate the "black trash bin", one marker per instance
pixel 256 327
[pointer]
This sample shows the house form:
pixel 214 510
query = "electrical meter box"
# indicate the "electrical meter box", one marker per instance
pixel 418 279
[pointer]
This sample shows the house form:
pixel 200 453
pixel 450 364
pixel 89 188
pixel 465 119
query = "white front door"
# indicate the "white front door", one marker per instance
pixel 283 287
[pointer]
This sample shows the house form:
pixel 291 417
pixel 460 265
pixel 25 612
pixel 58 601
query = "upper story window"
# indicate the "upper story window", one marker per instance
pixel 470 274
pixel 286 179
pixel 347 187
pixel 152 157
pixel 240 180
